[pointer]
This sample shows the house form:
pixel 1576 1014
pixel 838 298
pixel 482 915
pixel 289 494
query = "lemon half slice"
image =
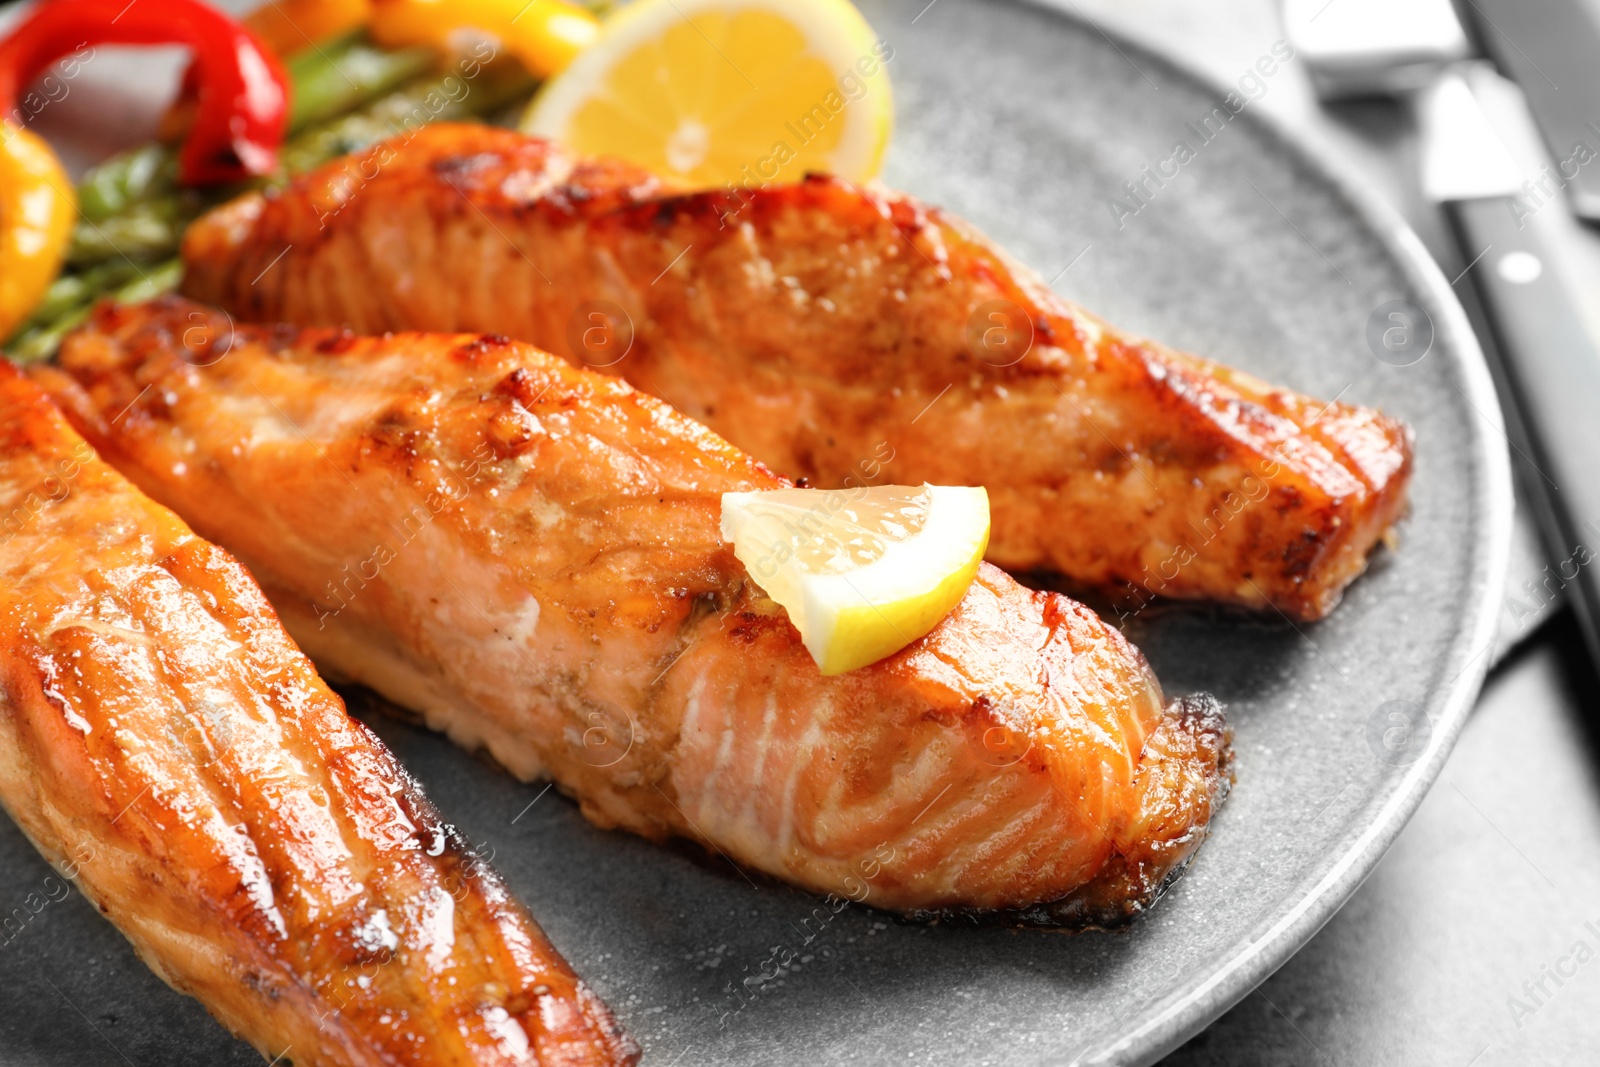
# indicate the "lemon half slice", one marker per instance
pixel 862 572
pixel 712 92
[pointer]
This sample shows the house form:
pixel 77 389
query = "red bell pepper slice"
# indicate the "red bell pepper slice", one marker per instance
pixel 244 94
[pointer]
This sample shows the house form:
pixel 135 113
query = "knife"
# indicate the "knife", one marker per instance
pixel 1552 49
pixel 1545 355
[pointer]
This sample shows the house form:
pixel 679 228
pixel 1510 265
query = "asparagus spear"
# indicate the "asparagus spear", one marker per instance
pixel 162 278
pixel 332 78
pixel 442 98
pixel 126 179
pixel 40 340
pixel 144 231
pixel 71 291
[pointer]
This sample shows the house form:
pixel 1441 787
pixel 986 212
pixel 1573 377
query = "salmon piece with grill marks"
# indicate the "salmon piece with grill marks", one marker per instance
pixel 165 745
pixel 821 326
pixel 528 554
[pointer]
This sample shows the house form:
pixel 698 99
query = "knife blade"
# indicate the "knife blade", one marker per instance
pixel 1544 355
pixel 1550 47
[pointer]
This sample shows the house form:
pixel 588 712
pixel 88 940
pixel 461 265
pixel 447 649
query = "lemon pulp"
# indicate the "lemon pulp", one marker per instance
pixel 861 572
pixel 713 92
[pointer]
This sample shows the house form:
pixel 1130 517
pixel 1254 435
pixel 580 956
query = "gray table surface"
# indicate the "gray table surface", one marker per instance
pixel 1472 944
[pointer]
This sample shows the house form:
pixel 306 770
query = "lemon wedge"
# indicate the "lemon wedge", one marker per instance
pixel 720 92
pixel 862 572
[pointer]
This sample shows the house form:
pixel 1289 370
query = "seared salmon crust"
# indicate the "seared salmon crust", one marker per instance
pixel 528 554
pixel 815 326
pixel 165 745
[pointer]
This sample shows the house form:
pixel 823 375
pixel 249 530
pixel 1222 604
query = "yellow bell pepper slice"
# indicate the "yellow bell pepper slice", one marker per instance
pixel 289 26
pixel 545 35
pixel 38 209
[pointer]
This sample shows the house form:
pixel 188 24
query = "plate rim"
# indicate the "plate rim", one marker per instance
pixel 1167 1022
pixel 1189 1006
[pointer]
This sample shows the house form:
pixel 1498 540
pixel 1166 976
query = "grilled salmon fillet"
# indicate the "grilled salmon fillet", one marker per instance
pixel 820 326
pixel 528 553
pixel 164 743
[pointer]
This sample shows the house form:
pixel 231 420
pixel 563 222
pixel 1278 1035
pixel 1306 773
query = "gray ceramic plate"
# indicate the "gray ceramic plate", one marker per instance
pixel 1027 122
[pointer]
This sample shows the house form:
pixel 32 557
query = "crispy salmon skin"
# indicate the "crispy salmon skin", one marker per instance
pixel 810 325
pixel 528 553
pixel 164 743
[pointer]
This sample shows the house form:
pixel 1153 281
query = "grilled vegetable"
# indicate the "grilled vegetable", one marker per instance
pixel 37 210
pixel 243 92
pixel 135 208
pixel 545 35
pixel 290 27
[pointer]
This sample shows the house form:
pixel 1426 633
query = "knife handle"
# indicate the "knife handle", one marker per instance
pixel 1549 361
